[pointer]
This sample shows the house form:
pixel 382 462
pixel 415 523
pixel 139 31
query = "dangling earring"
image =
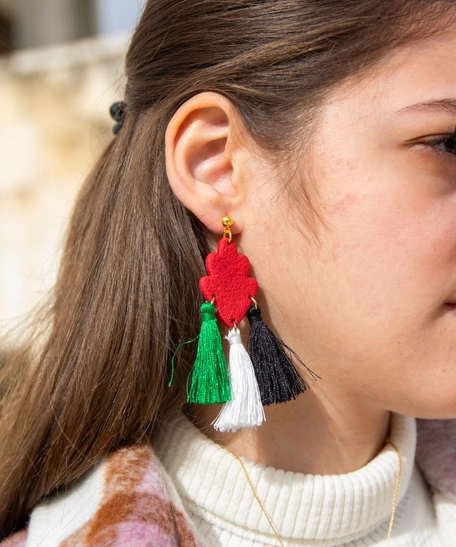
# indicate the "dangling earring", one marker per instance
pixel 277 380
pixel 263 376
pixel 228 284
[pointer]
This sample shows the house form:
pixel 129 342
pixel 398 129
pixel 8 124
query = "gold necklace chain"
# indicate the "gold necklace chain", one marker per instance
pixel 395 499
pixel 247 476
pixel 396 490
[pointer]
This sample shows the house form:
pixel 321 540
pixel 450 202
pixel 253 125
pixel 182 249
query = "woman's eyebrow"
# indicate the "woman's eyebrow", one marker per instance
pixel 441 105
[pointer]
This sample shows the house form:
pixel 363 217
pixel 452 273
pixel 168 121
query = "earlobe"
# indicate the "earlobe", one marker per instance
pixel 200 158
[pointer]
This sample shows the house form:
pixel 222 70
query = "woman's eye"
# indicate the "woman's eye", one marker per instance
pixel 446 143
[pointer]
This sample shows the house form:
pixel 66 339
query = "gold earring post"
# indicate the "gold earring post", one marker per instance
pixel 227 222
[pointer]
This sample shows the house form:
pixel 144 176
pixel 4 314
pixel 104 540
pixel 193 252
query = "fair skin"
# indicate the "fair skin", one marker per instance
pixel 370 303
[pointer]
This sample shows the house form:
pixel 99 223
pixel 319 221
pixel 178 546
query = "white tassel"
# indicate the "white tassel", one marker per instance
pixel 244 409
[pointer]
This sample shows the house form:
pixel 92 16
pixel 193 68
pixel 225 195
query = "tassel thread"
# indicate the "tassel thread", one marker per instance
pixel 277 377
pixel 209 382
pixel 244 410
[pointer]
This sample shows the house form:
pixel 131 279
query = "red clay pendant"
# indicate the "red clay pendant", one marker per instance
pixel 229 283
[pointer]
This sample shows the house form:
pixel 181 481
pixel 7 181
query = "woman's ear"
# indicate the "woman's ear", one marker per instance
pixel 204 142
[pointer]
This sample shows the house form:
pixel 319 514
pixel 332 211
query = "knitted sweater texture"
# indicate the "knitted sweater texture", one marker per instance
pixel 194 494
pixel 326 511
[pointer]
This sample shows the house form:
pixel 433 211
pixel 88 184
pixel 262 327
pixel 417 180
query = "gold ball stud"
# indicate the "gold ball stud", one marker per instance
pixel 227 221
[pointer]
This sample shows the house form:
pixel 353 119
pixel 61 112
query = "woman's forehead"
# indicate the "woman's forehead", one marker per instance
pixel 418 78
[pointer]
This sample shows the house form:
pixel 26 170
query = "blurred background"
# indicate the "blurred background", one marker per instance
pixel 61 64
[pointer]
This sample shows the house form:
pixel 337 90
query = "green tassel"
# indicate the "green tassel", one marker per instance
pixel 209 377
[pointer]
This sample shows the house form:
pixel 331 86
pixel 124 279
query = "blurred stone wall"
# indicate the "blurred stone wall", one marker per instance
pixel 54 123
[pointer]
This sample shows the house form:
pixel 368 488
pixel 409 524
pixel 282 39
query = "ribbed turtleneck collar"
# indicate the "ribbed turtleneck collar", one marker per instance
pixel 324 510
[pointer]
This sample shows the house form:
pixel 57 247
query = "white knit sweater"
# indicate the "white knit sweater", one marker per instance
pixel 352 509
pixel 131 500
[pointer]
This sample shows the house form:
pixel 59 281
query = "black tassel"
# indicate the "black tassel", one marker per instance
pixel 276 375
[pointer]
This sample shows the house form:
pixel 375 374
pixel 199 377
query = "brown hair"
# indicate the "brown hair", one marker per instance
pixel 127 293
